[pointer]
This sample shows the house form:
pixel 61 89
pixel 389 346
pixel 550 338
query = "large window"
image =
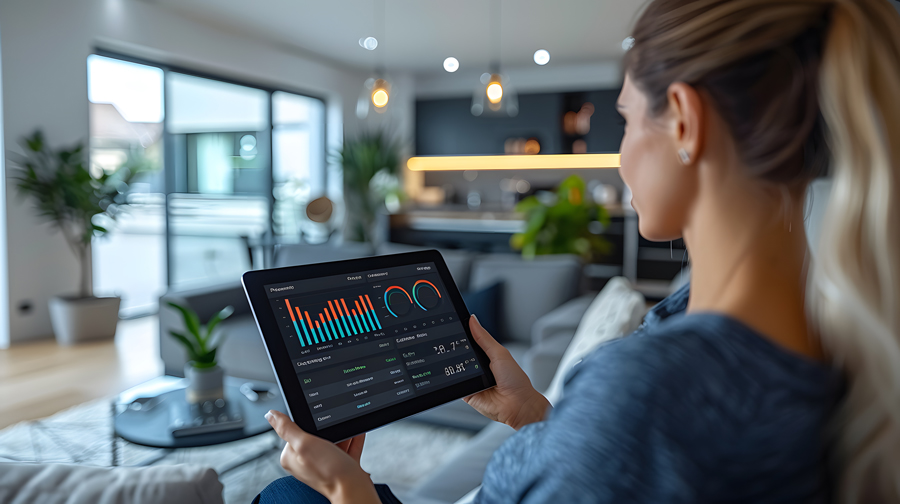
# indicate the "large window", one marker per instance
pixel 297 157
pixel 237 165
pixel 127 110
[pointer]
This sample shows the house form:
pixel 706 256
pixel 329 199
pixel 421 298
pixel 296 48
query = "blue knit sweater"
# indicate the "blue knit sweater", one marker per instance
pixel 688 409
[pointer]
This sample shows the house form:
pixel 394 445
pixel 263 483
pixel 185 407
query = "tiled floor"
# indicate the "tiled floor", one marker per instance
pixel 38 379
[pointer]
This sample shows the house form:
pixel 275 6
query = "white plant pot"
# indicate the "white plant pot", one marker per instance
pixel 206 384
pixel 76 320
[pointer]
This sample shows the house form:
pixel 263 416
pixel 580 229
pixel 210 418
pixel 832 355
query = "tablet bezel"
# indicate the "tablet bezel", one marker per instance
pixel 276 349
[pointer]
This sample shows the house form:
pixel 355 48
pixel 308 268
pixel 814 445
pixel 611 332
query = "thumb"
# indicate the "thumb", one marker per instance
pixel 285 428
pixel 484 339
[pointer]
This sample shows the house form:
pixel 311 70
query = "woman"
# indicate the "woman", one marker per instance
pixel 775 378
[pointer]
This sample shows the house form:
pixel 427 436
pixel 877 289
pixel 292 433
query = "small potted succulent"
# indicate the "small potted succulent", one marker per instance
pixel 205 377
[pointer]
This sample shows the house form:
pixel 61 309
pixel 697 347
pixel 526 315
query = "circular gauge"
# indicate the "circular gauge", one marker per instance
pixel 397 301
pixel 426 294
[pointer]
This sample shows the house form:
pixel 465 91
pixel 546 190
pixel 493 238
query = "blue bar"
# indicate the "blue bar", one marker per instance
pixel 373 314
pixel 362 323
pixel 350 319
pixel 321 334
pixel 336 334
pixel 300 336
pixel 344 320
pixel 362 315
pixel 372 319
pixel 306 331
pixel 327 332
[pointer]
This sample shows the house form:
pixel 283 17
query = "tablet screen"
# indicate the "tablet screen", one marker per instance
pixel 362 341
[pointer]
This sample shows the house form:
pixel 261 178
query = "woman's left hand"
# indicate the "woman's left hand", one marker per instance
pixel 332 470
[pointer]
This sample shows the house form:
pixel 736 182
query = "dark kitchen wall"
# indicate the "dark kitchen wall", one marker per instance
pixel 447 127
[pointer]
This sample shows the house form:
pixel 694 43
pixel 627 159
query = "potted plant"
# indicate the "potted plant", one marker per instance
pixel 205 377
pixel 68 196
pixel 562 223
pixel 370 165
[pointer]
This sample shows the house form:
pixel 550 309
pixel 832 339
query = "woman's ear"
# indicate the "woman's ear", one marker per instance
pixel 687 121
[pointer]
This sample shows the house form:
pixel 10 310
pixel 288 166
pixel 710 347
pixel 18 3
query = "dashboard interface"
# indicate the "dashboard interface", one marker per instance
pixel 360 342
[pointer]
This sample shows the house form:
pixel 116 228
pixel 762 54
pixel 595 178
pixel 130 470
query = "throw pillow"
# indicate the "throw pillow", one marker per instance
pixel 615 312
pixel 485 303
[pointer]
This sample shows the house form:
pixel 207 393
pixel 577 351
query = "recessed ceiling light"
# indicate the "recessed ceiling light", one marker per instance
pixel 542 57
pixel 451 64
pixel 627 43
pixel 369 43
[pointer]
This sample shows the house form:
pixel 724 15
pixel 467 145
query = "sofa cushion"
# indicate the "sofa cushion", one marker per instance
pixel 531 288
pixel 297 254
pixel 542 359
pixel 243 353
pixel 615 312
pixel 457 476
pixel 73 484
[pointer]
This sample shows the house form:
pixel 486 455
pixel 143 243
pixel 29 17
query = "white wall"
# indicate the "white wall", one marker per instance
pixel 44 46
pixel 4 297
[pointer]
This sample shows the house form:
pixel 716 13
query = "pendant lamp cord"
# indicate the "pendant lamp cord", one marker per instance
pixel 497 25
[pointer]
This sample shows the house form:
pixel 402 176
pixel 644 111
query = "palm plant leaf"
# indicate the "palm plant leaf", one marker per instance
pixel 186 342
pixel 223 314
pixel 191 320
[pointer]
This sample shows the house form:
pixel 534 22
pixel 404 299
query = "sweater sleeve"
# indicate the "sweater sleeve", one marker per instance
pixel 610 439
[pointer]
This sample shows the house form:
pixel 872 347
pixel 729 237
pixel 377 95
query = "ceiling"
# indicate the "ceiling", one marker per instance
pixel 417 35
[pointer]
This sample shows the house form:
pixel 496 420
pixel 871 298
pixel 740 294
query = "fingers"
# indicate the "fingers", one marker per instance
pixel 484 339
pixel 285 428
pixel 356 447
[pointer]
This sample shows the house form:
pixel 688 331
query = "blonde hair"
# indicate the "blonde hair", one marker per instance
pixel 809 87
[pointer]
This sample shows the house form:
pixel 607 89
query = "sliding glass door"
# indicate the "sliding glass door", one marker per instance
pixel 221 169
pixel 236 166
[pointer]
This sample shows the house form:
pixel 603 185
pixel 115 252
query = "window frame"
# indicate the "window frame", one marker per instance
pixel 169 174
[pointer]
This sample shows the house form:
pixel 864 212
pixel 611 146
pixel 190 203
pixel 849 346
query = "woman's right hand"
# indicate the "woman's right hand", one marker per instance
pixel 514 401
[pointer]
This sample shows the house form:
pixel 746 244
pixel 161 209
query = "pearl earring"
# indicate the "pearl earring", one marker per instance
pixel 685 157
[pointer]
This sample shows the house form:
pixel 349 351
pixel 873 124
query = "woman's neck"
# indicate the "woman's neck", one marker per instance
pixel 749 262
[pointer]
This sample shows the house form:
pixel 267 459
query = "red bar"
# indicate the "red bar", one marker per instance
pixel 363 301
pixel 358 308
pixel 327 315
pixel 370 302
pixel 332 309
pixel 353 312
pixel 317 324
pixel 345 307
pixel 339 312
pixel 289 310
pixel 307 318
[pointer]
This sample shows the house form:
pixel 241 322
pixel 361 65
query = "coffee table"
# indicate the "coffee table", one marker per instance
pixel 141 415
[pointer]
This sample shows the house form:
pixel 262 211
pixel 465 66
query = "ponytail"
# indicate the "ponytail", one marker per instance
pixel 854 285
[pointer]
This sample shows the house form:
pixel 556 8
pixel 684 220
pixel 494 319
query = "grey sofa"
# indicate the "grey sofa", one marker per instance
pixel 530 290
pixel 75 484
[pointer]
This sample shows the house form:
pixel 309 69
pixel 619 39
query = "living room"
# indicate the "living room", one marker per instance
pixel 155 151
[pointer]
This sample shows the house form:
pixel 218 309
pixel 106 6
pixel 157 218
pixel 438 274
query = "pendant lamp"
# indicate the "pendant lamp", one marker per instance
pixel 495 95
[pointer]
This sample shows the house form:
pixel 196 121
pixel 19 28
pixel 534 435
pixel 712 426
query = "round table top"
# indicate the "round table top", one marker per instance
pixel 163 398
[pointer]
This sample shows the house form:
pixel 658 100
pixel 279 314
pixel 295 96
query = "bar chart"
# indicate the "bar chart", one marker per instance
pixel 336 319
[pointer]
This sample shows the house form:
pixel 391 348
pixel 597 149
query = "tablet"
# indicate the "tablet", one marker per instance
pixel 358 344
